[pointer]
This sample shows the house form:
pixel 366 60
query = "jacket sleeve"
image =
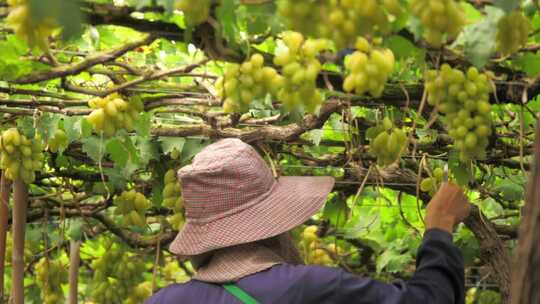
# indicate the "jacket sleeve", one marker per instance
pixel 439 278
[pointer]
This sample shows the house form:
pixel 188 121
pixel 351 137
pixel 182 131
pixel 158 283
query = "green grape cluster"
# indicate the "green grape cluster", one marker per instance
pixel 195 11
pixel 339 20
pixel 19 156
pixel 59 141
pixel 132 205
pixel 387 143
pixel 116 273
pixel 50 275
pixel 314 250
pixel 431 184
pixel 113 113
pixel 464 100
pixel 442 19
pixel 243 83
pixel 140 293
pixel 368 69
pixel 172 198
pixel 300 67
pixel 512 32
pixel 35 31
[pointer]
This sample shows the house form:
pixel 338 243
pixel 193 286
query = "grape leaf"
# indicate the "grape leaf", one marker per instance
pixel 118 152
pixel 142 124
pixel 529 63
pixel 479 38
pixel 227 18
pixel 72 127
pixel 461 172
pixel 507 5
pixel 336 210
pixel 94 147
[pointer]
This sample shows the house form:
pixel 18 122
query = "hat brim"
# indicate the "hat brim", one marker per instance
pixel 291 203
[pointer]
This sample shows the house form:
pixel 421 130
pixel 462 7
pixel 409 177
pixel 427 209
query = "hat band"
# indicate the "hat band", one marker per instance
pixel 232 211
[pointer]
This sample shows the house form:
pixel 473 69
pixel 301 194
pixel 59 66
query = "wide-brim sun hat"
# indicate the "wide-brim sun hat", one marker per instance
pixel 231 197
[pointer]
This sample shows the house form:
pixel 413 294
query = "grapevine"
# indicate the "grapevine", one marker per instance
pixel 300 67
pixel 442 19
pixel 512 32
pixel 132 206
pixel 464 100
pixel 35 31
pixel 113 113
pixel 195 12
pixel 368 69
pixel 50 275
pixel 241 84
pixel 172 198
pixel 19 156
pixel 387 142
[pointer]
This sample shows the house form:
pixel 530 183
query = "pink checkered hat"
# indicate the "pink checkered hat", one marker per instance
pixel 231 198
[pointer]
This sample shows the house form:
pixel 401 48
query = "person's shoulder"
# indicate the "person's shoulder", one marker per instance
pixel 173 291
pixel 307 272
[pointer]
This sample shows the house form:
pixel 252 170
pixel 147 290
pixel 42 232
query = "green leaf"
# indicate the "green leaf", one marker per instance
pixel 479 38
pixel 404 49
pixel 529 63
pixel 148 151
pixel 336 210
pixel 462 172
pixel 507 5
pixel 94 147
pixel 118 152
pixel 143 124
pixel 226 14
pixel 72 127
pixel 509 190
pixel 192 146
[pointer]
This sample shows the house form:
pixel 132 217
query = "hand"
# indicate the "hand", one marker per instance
pixel 447 208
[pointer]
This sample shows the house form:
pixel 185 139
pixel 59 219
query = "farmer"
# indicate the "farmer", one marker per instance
pixel 236 237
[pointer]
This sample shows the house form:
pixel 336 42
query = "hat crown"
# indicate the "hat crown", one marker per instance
pixel 225 177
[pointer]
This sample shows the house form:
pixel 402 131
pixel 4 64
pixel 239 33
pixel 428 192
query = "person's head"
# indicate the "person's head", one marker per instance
pixel 231 197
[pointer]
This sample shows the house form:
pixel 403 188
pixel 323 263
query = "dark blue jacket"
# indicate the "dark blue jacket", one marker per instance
pixel 439 279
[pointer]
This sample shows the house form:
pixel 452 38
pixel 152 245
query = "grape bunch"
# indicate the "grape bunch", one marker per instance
pixel 387 142
pixel 195 11
pixel 431 184
pixel 172 198
pixel 59 141
pixel 243 83
pixel 315 251
pixel 368 69
pixel 300 67
pixel 512 32
pixel 116 273
pixel 113 113
pixel 141 292
pixel 132 205
pixel 19 156
pixel 340 20
pixel 50 275
pixel 442 19
pixel 464 100
pixel 35 30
